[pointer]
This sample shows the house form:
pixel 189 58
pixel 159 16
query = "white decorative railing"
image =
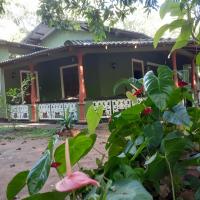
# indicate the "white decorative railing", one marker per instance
pixel 55 111
pixel 114 105
pixel 20 112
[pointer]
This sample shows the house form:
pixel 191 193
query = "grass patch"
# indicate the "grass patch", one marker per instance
pixel 10 133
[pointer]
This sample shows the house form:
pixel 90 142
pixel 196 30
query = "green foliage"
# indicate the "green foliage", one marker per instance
pixel 152 143
pixel 93 118
pixel 128 189
pixel 159 88
pixel 79 146
pixel 64 14
pixel 185 17
pixel 40 172
pixel 178 115
pixel 16 184
pixel 47 196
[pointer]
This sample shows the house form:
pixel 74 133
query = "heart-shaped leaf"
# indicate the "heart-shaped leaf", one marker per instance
pixel 79 146
pixel 159 88
pixel 16 184
pixel 178 115
pixel 93 118
pixel 128 189
pixel 154 132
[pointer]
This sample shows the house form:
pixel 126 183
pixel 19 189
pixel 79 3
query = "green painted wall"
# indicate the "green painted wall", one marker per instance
pixel 123 61
pixel 4 53
pixel 100 77
pixel 58 38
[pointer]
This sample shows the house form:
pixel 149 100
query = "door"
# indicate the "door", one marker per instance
pixel 137 68
pixel 69 81
pixel 26 86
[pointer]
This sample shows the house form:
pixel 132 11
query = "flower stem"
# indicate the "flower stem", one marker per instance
pixel 171 177
pixel 67 156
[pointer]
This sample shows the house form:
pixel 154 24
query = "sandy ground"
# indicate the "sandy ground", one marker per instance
pixel 20 154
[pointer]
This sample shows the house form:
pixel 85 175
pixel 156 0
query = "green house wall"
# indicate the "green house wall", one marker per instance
pixel 4 53
pixel 100 76
pixel 58 38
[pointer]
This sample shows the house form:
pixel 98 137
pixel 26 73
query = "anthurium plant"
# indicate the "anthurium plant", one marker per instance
pixel 152 151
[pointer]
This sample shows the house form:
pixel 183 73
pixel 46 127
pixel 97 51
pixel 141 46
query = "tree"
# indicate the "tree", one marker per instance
pixel 98 14
pixel 186 15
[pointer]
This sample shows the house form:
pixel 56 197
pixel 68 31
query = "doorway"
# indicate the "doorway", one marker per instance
pixel 137 68
pixel 26 96
pixel 69 81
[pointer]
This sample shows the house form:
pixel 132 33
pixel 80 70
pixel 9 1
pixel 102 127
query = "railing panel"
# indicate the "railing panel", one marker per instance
pixel 107 112
pixel 44 111
pixel 20 112
pixel 120 104
pixel 72 108
pixel 57 111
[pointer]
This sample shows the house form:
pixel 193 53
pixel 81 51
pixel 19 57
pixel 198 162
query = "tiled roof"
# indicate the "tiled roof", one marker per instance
pixel 42 31
pixel 21 45
pixel 90 44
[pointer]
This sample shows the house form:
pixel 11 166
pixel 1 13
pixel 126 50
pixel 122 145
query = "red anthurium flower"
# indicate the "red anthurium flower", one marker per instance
pixel 182 83
pixel 147 111
pixel 73 180
pixel 138 92
pixel 55 164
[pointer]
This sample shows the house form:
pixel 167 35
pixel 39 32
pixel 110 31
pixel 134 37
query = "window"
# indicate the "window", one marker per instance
pixel 137 68
pixel 69 81
pixel 27 96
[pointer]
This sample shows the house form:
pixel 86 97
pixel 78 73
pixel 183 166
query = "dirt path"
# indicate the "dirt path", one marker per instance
pixel 20 154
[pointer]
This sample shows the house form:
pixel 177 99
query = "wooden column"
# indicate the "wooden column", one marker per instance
pixel 174 63
pixel 3 107
pixel 82 93
pixel 33 94
pixel 193 78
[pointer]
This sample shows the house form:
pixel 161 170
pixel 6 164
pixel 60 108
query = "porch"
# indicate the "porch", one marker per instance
pixel 73 77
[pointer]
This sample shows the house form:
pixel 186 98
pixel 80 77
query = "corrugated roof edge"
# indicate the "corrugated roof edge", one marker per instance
pixel 21 45
pixel 85 44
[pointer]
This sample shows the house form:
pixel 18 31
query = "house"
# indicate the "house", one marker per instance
pixel 72 71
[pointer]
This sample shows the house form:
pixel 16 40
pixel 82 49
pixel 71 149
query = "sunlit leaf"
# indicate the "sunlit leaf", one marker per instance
pixel 79 146
pixel 93 118
pixel 16 184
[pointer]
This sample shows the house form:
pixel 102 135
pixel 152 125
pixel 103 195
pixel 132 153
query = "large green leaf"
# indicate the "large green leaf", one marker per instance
pixel 197 194
pixel 184 37
pixel 154 133
pixel 128 190
pixel 172 7
pixel 39 173
pixel 79 146
pixel 157 168
pixel 172 26
pixel 159 33
pixel 159 88
pixel 198 59
pixel 178 115
pixel 174 148
pixel 47 196
pixel 93 117
pixel 16 184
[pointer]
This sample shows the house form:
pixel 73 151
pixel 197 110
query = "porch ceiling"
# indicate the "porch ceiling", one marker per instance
pixel 86 47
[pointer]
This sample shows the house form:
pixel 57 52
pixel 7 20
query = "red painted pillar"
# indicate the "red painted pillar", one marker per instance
pixel 33 95
pixel 193 76
pixel 175 68
pixel 82 93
